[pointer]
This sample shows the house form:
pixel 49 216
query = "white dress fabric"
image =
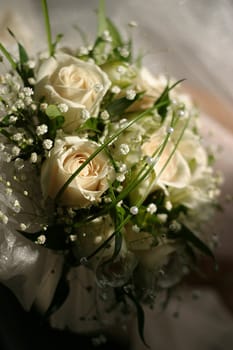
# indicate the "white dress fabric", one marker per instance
pixel 182 38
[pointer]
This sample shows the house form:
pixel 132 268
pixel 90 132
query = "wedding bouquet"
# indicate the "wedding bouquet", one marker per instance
pixel 103 163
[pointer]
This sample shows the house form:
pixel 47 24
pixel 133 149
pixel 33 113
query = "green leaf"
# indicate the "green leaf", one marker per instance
pixel 119 106
pixel 114 33
pixel 8 56
pixel 21 67
pixel 52 111
pixel 23 56
pixel 47 27
pixel 90 124
pixel 102 20
pixel 118 244
pixel 164 100
pixel 82 34
pixel 57 40
pixel 140 316
pixel 54 125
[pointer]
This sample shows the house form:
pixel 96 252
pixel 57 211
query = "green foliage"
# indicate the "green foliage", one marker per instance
pixel 119 106
pixel 22 66
pixel 140 315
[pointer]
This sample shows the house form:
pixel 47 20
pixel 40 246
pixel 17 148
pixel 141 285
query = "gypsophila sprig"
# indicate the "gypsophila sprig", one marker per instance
pixel 103 163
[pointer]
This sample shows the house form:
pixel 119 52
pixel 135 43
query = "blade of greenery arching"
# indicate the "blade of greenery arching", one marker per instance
pixel 8 57
pixel 164 97
pixel 47 27
pixel 140 316
pixel 102 20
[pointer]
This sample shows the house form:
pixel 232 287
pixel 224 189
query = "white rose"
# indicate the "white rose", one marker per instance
pixel 141 244
pixel 175 174
pixel 67 155
pixel 78 84
pixel 151 86
pixel 202 183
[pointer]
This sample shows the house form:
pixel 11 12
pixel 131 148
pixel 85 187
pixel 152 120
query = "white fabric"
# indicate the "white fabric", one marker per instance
pixel 183 38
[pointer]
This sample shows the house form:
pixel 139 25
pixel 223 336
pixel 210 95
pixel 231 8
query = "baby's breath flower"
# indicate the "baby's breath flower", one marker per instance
pixel 19 163
pixel 104 115
pixel 13 119
pixel 23 226
pixel 17 206
pixel 120 177
pixel 119 188
pixel 124 52
pixel 98 87
pixel 83 51
pixel 150 160
pixel 73 238
pixel 63 108
pixel 181 113
pixel 168 205
pixel 121 69
pixel 136 228
pixel 19 104
pixel 31 81
pixel 41 129
pixel 162 217
pixel 43 106
pixel 124 148
pixel 85 114
pixel 3 218
pixel 27 100
pixel 151 208
pixel 130 94
pixel 41 239
pixel 6 157
pixel 28 91
pixel 9 191
pixel 17 137
pixel 33 107
pixel 15 151
pixel 134 210
pixel 31 64
pixel 170 130
pixel 132 24
pixel 175 226
pixel 47 144
pixel 29 141
pixel 34 157
pixel 106 36
pixel 115 89
pixel 123 168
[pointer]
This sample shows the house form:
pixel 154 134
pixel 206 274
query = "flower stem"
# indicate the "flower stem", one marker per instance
pixel 8 56
pixel 47 27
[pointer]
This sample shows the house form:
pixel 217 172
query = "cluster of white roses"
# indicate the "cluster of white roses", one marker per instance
pixel 172 149
pixel 122 175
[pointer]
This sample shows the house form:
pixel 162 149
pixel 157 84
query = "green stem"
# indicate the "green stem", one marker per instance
pixel 47 27
pixel 8 56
